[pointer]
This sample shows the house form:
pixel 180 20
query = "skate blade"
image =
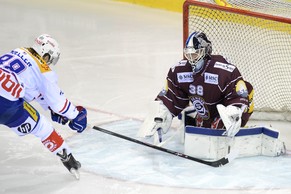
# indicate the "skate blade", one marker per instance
pixel 75 173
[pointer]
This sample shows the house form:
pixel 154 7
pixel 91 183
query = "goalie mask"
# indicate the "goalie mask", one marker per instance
pixel 197 48
pixel 47 48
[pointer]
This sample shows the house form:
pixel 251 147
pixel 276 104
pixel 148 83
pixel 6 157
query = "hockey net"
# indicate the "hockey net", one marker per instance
pixel 258 44
pixel 272 7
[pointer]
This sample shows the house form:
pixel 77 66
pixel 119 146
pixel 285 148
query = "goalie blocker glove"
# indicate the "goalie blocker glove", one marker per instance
pixel 80 122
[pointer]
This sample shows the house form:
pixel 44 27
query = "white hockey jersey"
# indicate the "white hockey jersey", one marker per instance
pixel 11 88
pixel 39 81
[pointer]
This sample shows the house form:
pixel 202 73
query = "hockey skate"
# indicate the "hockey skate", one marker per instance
pixel 70 163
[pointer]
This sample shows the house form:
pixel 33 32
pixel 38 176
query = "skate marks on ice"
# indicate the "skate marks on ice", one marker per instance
pixel 117 158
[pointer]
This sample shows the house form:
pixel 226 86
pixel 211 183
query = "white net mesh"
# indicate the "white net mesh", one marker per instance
pixel 258 45
pixel 272 7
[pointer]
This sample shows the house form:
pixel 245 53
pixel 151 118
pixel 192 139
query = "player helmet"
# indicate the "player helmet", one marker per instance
pixel 46 46
pixel 197 48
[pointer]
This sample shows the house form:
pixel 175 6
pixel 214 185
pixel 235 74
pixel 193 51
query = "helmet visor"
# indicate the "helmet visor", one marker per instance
pixel 193 55
pixel 53 60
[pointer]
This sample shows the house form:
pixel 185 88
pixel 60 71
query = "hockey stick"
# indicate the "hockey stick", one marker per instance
pixel 223 161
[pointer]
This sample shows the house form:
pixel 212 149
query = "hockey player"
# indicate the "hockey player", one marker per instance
pixel 206 81
pixel 26 75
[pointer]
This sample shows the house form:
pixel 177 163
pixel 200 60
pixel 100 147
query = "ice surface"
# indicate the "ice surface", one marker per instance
pixel 118 158
pixel 114 60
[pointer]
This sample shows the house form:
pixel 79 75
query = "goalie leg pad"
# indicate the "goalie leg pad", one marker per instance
pixel 210 144
pixel 271 145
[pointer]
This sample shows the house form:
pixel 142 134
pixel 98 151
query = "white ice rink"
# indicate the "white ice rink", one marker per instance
pixel 114 60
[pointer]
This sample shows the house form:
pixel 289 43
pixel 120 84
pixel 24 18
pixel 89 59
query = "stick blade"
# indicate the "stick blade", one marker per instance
pixel 225 160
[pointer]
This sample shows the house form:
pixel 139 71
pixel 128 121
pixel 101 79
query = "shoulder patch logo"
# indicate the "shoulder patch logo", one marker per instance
pixel 241 89
pixel 164 90
pixel 224 66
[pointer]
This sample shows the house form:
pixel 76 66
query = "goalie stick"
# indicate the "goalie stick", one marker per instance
pixel 221 162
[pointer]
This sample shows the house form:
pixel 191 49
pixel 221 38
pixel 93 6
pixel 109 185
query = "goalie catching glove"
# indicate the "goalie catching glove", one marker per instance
pixel 157 122
pixel 231 118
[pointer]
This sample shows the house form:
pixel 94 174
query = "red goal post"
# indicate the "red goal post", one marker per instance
pixel 259 44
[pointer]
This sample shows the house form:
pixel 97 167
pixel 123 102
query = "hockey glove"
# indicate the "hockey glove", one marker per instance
pixel 231 118
pixel 158 122
pixel 80 122
pixel 58 118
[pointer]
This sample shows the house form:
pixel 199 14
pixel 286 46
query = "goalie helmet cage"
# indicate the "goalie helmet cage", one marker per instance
pixel 258 44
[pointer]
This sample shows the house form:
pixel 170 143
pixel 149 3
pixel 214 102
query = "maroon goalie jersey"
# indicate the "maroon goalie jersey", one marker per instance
pixel 219 82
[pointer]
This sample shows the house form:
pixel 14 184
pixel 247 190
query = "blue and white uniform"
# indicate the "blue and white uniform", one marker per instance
pixel 25 77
